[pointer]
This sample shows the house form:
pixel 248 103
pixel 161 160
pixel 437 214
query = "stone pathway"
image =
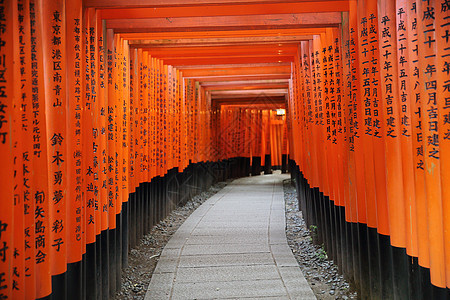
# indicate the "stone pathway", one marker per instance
pixel 232 247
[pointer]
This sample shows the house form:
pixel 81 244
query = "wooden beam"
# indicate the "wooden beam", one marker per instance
pixel 215 43
pixel 254 100
pixel 305 20
pixel 243 95
pixel 226 84
pixel 272 102
pixel 215 51
pixel 167 36
pixel 250 105
pixel 254 71
pixel 225 56
pixel 292 42
pixel 262 95
pixel 228 66
pixel 224 10
pixel 246 86
pixel 171 3
pixel 228 60
pixel 247 93
pixel 211 78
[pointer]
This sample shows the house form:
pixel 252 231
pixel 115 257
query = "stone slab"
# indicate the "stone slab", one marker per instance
pixel 211 249
pixel 233 246
pixel 229 289
pixel 227 273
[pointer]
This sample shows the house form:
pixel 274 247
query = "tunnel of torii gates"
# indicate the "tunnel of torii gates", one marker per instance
pixel 113 112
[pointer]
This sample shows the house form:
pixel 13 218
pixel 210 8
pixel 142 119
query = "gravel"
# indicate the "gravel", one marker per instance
pixel 320 272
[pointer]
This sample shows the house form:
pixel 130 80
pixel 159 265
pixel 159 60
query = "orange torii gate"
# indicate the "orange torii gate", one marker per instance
pixel 362 93
pixel 114 112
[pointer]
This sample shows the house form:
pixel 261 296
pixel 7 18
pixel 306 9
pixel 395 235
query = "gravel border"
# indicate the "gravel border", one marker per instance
pixel 320 272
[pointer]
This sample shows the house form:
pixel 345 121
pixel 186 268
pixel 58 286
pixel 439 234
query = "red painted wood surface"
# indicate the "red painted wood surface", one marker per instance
pixel 98 97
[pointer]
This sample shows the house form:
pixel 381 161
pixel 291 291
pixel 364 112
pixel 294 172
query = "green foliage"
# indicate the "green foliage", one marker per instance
pixel 321 253
pixel 313 229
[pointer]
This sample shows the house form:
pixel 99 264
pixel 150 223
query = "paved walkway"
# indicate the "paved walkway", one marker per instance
pixel 232 247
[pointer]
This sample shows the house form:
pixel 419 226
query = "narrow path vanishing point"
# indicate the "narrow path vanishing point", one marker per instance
pixel 232 246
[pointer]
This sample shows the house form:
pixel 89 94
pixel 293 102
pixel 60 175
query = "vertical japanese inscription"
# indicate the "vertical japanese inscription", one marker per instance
pixel 352 88
pixel 56 106
pixel 92 190
pixel 77 152
pixel 427 12
pixel 24 200
pixel 6 171
pixel 40 190
pixel 442 9
pixel 89 131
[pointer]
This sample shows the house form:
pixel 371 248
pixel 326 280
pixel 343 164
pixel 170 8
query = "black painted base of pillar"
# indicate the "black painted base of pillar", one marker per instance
pixel 267 165
pixel 59 286
pixel 74 277
pixel 284 163
pixel 369 262
pixel 256 165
